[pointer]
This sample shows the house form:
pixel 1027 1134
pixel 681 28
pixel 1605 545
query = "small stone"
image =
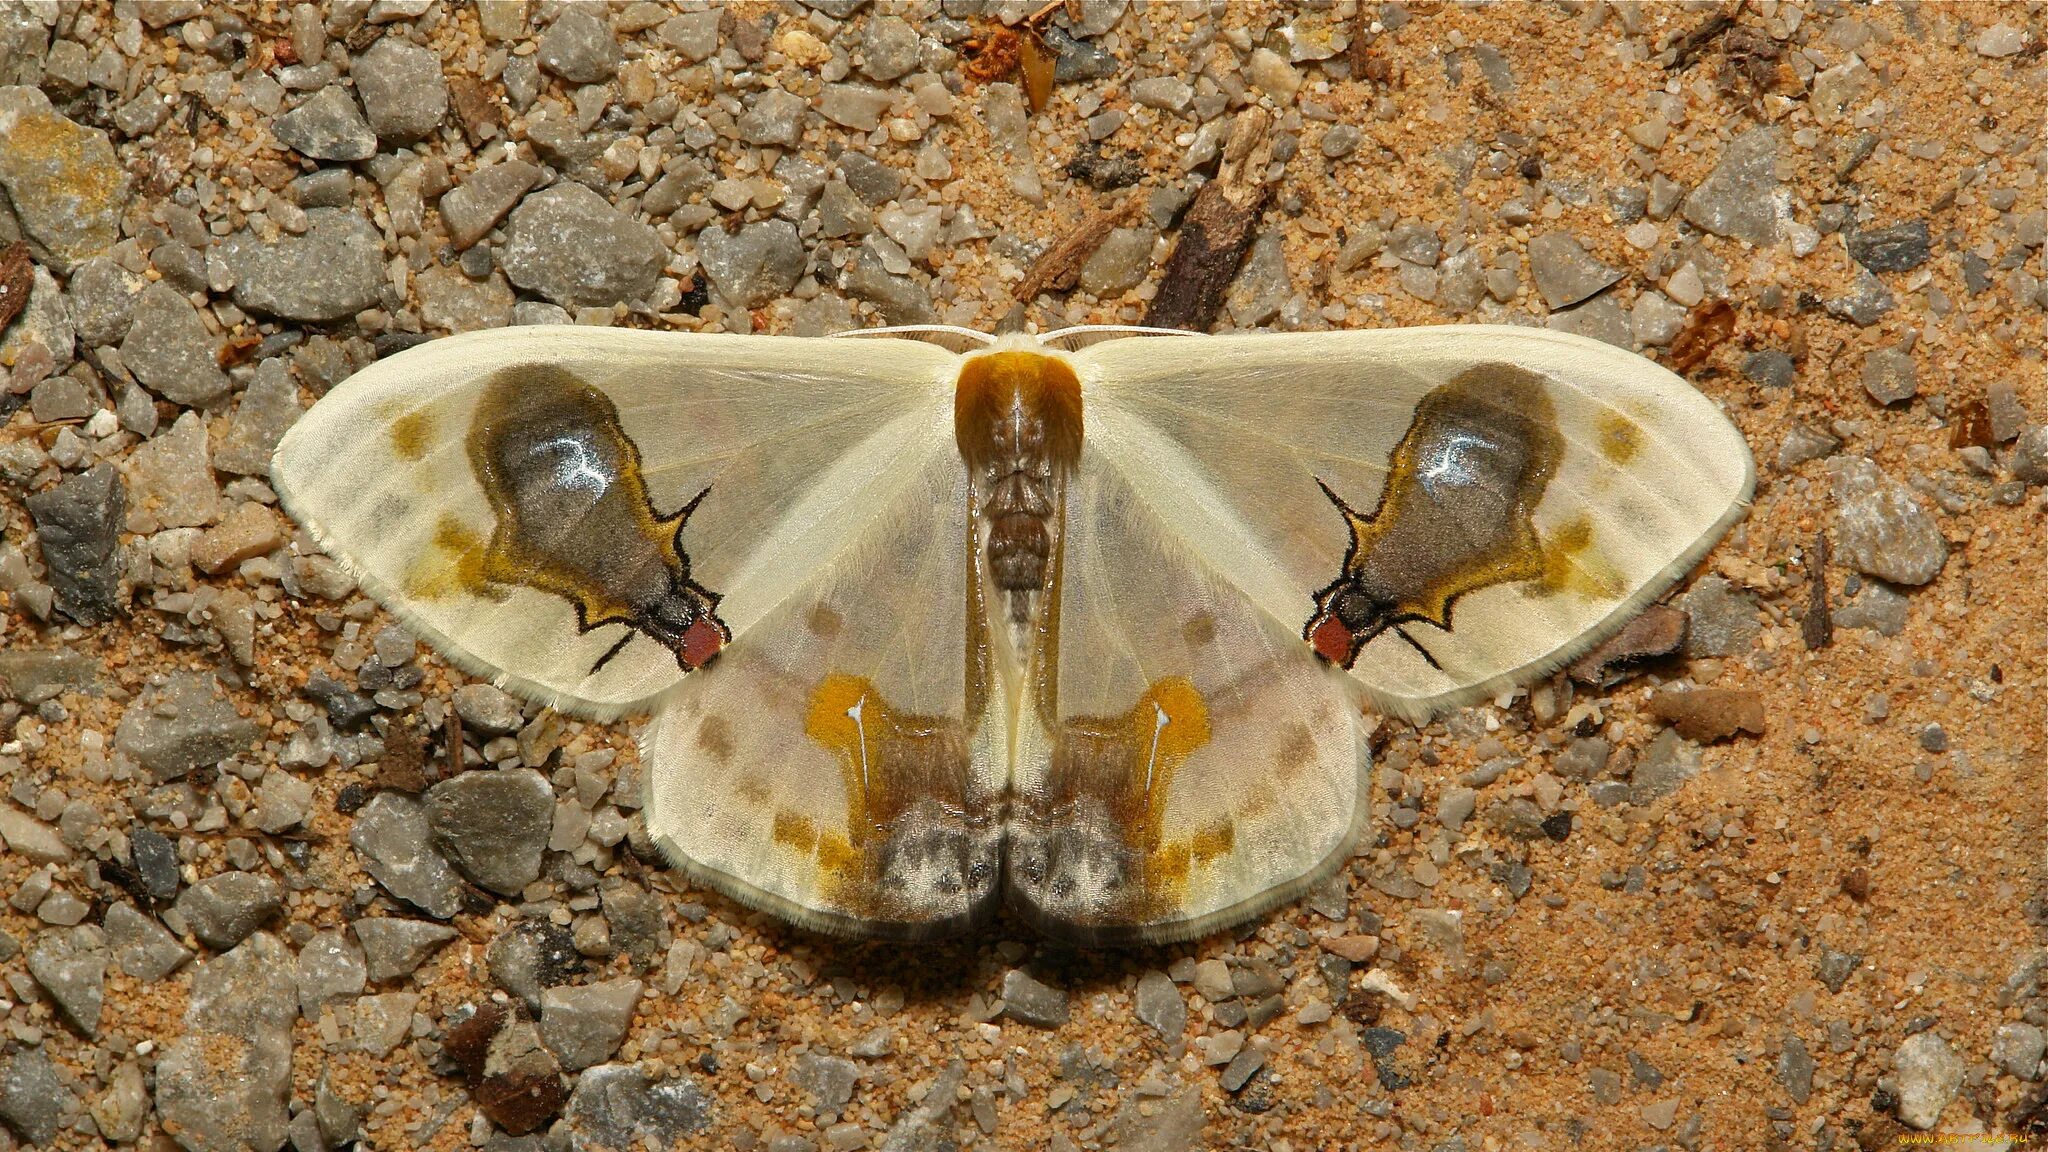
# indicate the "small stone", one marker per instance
pixel 1929 1074
pixel 619 1106
pixel 1665 766
pixel 1564 272
pixel 102 297
pixel 327 126
pixel 331 271
pixel 579 46
pixel 472 208
pixel 170 480
pixel 40 341
pixel 1247 1061
pixel 283 802
pixel 1160 1005
pixel 223 910
pixel 250 530
pixel 121 1109
pixel 569 245
pixel 1262 285
pixel 170 350
pixel 1835 968
pixel 1003 110
pixel 223 1085
pixel 1167 93
pixel 2018 1047
pixel 330 968
pixel 1600 318
pixel 854 106
pixel 532 957
pixel 186 722
pixel 1880 529
pixel 2030 455
pixel 494 825
pixel 66 187
pixel 394 946
pixel 828 1079
pixel 1033 1003
pixel 754 266
pixel 917 233
pixel 71 966
pixel 1889 376
pixel 1657 320
pixel 79 524
pixel 1739 198
pixel 1805 443
pixel 1877 607
pixel 1866 304
pixel 32 1099
pixel 694 34
pixel 403 92
pixel 141 947
pixel 1212 981
pixel 2002 401
pixel 396 842
pixel 2001 39
pixel 638 927
pixel 1769 368
pixel 1120 263
pixel 1899 248
pixel 1720 621
pixel 899 298
pixel 268 408
pixel 889 47
pixel 775 117
pixel 583 1025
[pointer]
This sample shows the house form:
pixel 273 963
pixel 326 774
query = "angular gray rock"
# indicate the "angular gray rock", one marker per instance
pixel 753 266
pixel 828 1079
pixel 579 47
pixel 1720 620
pixel 184 723
pixel 1026 999
pixel 494 825
pixel 66 186
pixel 584 1024
pixel 330 272
pixel 32 1099
pixel 330 968
pixel 223 910
pixel 1889 375
pixel 268 408
pixel 142 947
pixel 1665 766
pixel 394 946
pixel 1880 528
pixel 393 836
pixel 403 92
pixel 170 350
pixel 102 298
pixel 1929 1074
pixel 328 126
pixel 1120 264
pixel 1898 248
pixel 79 524
pixel 222 1086
pixel 619 1106
pixel 1159 1005
pixel 474 207
pixel 1564 272
pixel 487 709
pixel 572 247
pixel 1739 198
pixel 71 966
pixel 775 117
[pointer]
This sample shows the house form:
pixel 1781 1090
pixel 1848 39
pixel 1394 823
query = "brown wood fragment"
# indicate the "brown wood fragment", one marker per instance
pixel 1059 268
pixel 1856 884
pixel 1038 69
pixel 1708 328
pixel 474 107
pixel 451 729
pixel 1658 631
pixel 17 277
pixel 1971 426
pixel 1217 231
pixel 403 767
pixel 1691 46
pixel 1817 627
pixel 1704 715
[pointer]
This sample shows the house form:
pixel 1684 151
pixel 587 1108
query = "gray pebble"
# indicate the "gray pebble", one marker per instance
pixel 638 927
pixel 1880 529
pixel 2030 455
pixel 330 272
pixel 1866 304
pixel 395 840
pixel 223 910
pixel 142 947
pixel 1564 272
pixel 1769 368
pixel 1720 620
pixel 2008 414
pixel 1657 319
pixel 326 188
pixel 1212 981
pixel 571 246
pixel 759 263
pixel 403 92
pixel 79 524
pixel 1262 285
pixel 68 193
pixel 473 207
pixel 1033 1003
pixel 102 297
pixel 584 1024
pixel 1416 244
pixel 694 34
pixel 1248 1060
pixel 1600 318
pixel 579 46
pixel 1664 768
pixel 888 47
pixel 71 965
pixel 774 117
pixel 394 946
pixel 531 957
pixel 223 1085
pixel 1167 93
pixel 1120 263
pixel 494 825
pixel 330 968
pixel 1340 140
pixel 171 352
pixel 1929 1074
pixel 1160 1005
pixel 1795 1069
pixel 1889 376
pixel 1804 443
pixel 900 299
pixel 1834 968
pixel 32 1099
pixel 487 709
pixel 1739 198
pixel 1898 248
pixel 44 325
pixel 874 182
pixel 1456 806
pixel 328 126
pixel 186 722
pixel 618 1106
pixel 1877 607
pixel 2017 1047
pixel 522 82
pixel 855 106
pixel 268 408
pixel 828 1079
pixel 1075 60
pixel 1584 758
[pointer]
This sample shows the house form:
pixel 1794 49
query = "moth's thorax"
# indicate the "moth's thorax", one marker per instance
pixel 1017 418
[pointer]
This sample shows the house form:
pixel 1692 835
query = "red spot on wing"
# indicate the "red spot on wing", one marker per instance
pixel 1332 641
pixel 701 641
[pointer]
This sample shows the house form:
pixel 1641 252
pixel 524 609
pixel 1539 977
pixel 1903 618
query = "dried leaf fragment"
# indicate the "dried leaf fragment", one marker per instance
pixel 1708 328
pixel 1704 715
pixel 1658 631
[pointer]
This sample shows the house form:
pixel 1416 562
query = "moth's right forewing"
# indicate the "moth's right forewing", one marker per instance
pixel 568 510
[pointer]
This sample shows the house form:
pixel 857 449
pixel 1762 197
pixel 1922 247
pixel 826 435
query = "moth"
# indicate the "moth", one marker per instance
pixel 1089 624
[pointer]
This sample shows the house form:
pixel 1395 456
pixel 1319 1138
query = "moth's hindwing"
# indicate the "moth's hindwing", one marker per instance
pixel 1443 512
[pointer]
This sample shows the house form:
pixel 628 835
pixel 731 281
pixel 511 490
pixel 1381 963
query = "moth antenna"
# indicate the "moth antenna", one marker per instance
pixel 1417 645
pixel 612 651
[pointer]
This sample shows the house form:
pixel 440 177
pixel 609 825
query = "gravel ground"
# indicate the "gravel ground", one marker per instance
pixel 1771 876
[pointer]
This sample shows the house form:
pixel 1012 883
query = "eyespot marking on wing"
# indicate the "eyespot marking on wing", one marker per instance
pixel 574 517
pixel 412 433
pixel 1456 512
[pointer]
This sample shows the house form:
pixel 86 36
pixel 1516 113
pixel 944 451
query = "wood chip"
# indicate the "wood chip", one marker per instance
pixel 403 767
pixel 1704 715
pixel 1970 427
pixel 1060 266
pixel 17 277
pixel 1217 231
pixel 1708 328
pixel 1817 627
pixel 1657 632
pixel 1038 69
pixel 1693 44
